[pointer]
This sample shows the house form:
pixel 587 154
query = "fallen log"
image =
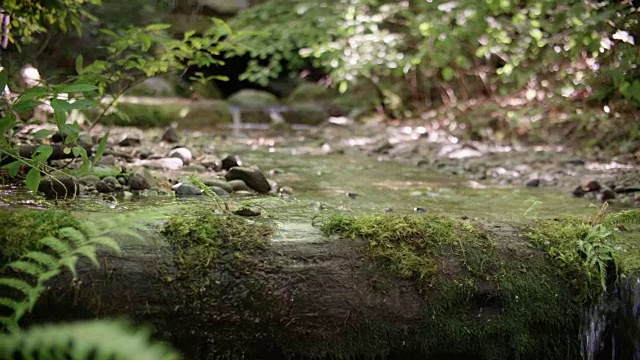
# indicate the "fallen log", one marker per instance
pixel 490 296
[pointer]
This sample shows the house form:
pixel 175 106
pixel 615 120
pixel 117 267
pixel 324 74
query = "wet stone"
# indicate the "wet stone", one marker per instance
pixel 533 183
pixel 238 185
pixel 188 190
pixel 589 185
pixel 129 141
pixel 108 184
pixel 141 179
pixel 59 186
pixel 219 191
pixel 229 162
pixel 248 212
pixel 183 154
pixel 419 210
pixel 89 180
pixel 171 136
pixel 107 160
pixel 606 194
pixel 251 176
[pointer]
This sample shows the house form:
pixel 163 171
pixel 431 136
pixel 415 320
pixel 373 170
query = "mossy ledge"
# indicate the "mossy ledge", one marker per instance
pixel 378 286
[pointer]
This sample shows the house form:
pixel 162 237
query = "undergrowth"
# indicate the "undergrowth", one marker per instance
pixel 38 245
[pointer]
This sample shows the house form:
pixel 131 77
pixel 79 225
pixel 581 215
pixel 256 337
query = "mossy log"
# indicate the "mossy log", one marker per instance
pixel 330 299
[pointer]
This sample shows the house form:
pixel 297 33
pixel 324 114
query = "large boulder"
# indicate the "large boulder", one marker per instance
pixel 154 86
pixel 253 98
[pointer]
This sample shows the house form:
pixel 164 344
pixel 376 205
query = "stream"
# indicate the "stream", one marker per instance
pixel 350 181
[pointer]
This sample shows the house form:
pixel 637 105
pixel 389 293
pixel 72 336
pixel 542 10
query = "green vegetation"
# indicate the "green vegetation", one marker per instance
pixel 37 246
pixel 206 238
pixel 96 339
pixel 587 251
pixel 482 297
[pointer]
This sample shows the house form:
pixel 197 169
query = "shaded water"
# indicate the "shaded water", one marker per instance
pixel 612 327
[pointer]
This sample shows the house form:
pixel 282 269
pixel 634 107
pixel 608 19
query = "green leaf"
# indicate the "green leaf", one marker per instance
pixel 25 105
pixel 26 267
pixel 42 258
pixel 42 133
pixel 102 145
pixel 33 180
pixel 42 153
pixel 447 74
pixel 343 87
pixel 4 79
pixel 79 88
pixel 83 104
pixel 57 245
pixel 157 27
pixel 79 64
pixel 12 167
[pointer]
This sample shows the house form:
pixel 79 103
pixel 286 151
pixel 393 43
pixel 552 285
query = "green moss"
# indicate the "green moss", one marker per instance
pixel 22 230
pixel 204 239
pixel 483 299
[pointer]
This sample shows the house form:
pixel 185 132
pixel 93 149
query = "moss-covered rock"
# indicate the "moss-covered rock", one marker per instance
pixel 155 86
pixel 253 98
pixel 308 113
pixel 152 112
pixel 308 91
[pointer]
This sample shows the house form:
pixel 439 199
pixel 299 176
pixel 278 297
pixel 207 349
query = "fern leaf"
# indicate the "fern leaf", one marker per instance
pixel 44 259
pixel 623 217
pixel 20 285
pixel 102 339
pixel 70 262
pixel 89 252
pixel 9 303
pixel 73 235
pixel 88 228
pixel 56 245
pixel 105 241
pixel 26 267
pixel 48 275
pixel 10 324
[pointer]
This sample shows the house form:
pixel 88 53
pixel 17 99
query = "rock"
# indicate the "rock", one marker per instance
pixel 286 190
pixel 578 192
pixel 107 160
pixel 308 113
pixel 127 195
pixel 141 179
pixel 182 153
pixel 244 193
pixel 122 180
pixel 162 163
pixel 533 183
pixel 108 184
pixel 219 183
pixel 576 162
pixel 171 135
pixel 317 206
pixel 195 168
pixel 248 211
pixel 274 186
pixel 59 186
pixel 230 161
pixel 219 191
pixel 589 185
pixel 419 210
pixel 154 86
pixel 238 185
pixel 129 141
pixel 388 209
pixel 606 194
pixel 89 180
pixel 253 98
pixel 251 176
pixel 188 190
pixel 352 195
pixel 212 163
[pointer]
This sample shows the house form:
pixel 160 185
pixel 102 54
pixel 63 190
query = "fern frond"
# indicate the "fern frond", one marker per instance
pixel 70 262
pixel 631 217
pixel 73 236
pixel 44 259
pixel 56 245
pixel 88 251
pixel 105 241
pixel 27 267
pixel 102 339
pixel 18 284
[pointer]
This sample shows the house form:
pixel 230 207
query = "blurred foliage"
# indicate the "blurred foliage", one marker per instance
pixel 503 45
pixel 30 18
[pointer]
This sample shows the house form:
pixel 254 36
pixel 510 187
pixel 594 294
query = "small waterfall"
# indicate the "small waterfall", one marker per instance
pixel 236 116
pixel 612 327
